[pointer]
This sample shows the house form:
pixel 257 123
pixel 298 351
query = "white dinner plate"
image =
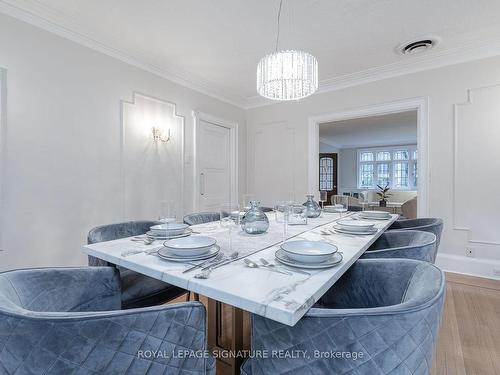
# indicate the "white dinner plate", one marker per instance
pixel 166 253
pixel 308 251
pixel 340 229
pixel 163 236
pixel 190 246
pixel 375 213
pixel 366 217
pixel 332 260
pixel 355 225
pixel 170 229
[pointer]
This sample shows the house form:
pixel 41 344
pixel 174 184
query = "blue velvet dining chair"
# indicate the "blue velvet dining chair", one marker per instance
pixel 409 244
pixel 138 290
pixel 382 317
pixel 201 218
pixel 426 224
pixel 63 321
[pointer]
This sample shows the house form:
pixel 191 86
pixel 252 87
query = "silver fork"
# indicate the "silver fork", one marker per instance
pixel 206 271
pixel 205 263
pixel 252 264
pixel 271 265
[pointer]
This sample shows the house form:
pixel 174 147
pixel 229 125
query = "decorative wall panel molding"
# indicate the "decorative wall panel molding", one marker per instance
pixel 476 165
pixel 273 162
pixel 152 172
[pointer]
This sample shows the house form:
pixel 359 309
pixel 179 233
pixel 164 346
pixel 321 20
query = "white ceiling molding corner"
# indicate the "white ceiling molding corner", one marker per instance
pixel 54 20
pixel 475 50
pixel 329 142
pixel 70 32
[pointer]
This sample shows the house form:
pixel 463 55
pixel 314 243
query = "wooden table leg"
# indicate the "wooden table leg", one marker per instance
pixel 215 326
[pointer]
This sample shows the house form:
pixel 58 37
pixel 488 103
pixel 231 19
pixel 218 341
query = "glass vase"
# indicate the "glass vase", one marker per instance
pixel 313 208
pixel 255 221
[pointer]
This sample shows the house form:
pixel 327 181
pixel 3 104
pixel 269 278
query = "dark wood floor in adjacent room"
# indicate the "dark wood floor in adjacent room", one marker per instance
pixel 469 339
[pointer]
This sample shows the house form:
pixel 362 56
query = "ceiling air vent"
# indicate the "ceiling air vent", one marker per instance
pixel 417 46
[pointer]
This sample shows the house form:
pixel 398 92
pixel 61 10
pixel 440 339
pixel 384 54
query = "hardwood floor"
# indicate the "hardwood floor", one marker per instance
pixel 469 338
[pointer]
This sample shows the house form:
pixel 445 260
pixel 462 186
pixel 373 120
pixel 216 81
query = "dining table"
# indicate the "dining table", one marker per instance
pixel 283 297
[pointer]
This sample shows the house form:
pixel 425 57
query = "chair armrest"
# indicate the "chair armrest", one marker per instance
pixel 114 341
pixel 67 289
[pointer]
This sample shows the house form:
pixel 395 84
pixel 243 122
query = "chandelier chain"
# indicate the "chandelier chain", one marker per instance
pixel 278 32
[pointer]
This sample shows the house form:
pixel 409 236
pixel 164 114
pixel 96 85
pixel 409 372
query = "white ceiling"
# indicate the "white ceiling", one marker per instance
pixel 215 45
pixel 386 130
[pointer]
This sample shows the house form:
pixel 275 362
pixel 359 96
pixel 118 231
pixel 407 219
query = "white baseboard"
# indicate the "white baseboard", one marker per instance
pixel 469 266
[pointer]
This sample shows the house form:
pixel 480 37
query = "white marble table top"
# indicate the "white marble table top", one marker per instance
pixel 284 298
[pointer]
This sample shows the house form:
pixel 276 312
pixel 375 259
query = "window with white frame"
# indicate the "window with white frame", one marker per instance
pixel 395 166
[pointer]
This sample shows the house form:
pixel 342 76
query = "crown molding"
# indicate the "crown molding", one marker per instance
pixel 474 50
pixel 51 21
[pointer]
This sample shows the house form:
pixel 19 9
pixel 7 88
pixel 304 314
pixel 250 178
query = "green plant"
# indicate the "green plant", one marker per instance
pixel 383 193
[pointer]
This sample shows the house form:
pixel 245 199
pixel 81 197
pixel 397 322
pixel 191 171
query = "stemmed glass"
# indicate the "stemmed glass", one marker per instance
pixel 167 214
pixel 341 203
pixel 230 218
pixel 323 196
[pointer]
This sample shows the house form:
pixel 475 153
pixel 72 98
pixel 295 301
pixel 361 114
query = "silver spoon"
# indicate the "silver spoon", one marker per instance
pixel 147 240
pixel 206 271
pixel 251 264
pixel 273 266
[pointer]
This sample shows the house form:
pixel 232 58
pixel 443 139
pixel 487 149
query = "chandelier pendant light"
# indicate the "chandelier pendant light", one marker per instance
pixel 288 74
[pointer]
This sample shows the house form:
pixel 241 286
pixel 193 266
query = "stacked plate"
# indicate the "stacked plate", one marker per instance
pixel 374 215
pixel 308 254
pixel 334 208
pixel 189 249
pixel 350 226
pixel 168 231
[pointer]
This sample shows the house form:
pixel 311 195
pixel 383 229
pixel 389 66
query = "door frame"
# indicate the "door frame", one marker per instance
pixel 419 104
pixel 233 157
pixel 335 189
pixel 3 142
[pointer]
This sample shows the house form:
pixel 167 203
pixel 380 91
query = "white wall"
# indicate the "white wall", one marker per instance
pixel 348 166
pixel 62 145
pixel 325 147
pixel 479 134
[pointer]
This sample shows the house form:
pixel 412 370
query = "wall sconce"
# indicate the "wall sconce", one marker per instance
pixel 159 135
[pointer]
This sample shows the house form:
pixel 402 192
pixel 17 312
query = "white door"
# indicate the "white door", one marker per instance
pixel 214 166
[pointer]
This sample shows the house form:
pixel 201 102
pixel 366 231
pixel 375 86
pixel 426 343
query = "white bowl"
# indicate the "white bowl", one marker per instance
pixel 355 225
pixel 190 246
pixel 171 228
pixel 309 251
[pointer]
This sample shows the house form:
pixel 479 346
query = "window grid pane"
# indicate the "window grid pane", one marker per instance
pixel 415 174
pixel 400 176
pixel 401 155
pixel 383 176
pixel 366 175
pixel 326 174
pixel 383 155
pixel 366 156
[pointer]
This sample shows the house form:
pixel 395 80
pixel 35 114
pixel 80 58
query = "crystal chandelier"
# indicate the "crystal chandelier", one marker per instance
pixel 287 75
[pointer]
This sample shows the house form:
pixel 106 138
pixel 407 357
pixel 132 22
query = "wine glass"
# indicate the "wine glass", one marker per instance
pixel 341 203
pixel 167 214
pixel 230 218
pixel 323 196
